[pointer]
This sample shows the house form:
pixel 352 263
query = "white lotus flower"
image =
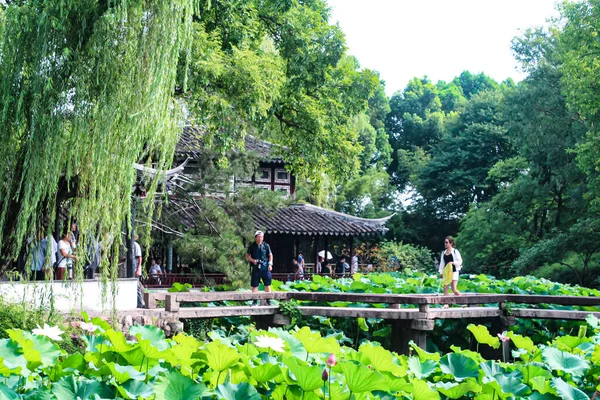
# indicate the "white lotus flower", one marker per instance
pixel 268 342
pixel 52 332
pixel 88 327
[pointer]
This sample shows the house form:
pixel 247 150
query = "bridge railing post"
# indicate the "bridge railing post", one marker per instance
pixel 171 303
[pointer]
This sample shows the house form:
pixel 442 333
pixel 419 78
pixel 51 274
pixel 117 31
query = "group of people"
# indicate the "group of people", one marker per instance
pixel 62 255
pixel 260 256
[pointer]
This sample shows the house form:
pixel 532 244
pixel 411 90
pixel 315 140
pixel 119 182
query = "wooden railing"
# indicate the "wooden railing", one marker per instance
pixel 198 280
pixel 411 316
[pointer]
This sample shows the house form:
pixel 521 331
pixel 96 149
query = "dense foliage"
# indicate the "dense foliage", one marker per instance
pixel 295 364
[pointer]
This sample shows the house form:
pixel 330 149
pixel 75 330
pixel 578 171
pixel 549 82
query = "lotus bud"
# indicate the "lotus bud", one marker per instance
pixel 331 360
pixel 325 375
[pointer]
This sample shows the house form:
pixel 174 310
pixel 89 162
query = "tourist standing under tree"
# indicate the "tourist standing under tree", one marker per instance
pixel 261 263
pixel 137 270
pixel 450 256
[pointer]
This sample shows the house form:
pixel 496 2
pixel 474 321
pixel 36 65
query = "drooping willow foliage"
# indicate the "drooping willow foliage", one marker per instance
pixel 86 90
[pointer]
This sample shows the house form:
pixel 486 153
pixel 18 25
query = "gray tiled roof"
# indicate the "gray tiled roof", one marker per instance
pixel 306 219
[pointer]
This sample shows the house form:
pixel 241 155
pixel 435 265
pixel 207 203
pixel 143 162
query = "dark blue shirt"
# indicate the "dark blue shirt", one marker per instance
pixel 259 253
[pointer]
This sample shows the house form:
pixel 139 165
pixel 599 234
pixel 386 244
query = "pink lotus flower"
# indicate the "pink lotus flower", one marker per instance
pixel 331 360
pixel 503 337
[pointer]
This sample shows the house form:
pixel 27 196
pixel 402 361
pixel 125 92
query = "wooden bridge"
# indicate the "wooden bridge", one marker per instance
pixel 411 315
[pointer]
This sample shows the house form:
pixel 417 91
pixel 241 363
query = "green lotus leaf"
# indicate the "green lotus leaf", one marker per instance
pixel 30 353
pixel 421 369
pixel 397 384
pixel 422 391
pixel 265 372
pixel 136 357
pixel 362 324
pixel 12 359
pixel 93 342
pixel 74 361
pixel 566 391
pixel 314 343
pixel 339 392
pixel 521 342
pixel 482 335
pixel 568 343
pixel 473 355
pixel 360 378
pixel 135 390
pixel 151 351
pixel 512 384
pixel 381 359
pixel 124 373
pixel 118 341
pixel 153 334
pixel 456 391
pixel 308 378
pixel 532 371
pixel 494 389
pixel 38 394
pixel 491 368
pixel 423 355
pixel 384 332
pixel 175 386
pixel 567 362
pixel 540 396
pixel 541 384
pixel 7 393
pixel 296 347
pixel 69 388
pixel 242 391
pixel 187 341
pixel 221 357
pixel 460 366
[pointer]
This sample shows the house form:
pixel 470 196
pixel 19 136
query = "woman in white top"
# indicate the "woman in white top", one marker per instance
pixel 451 256
pixel 65 257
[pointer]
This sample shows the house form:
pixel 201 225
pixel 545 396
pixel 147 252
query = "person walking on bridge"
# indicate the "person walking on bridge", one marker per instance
pixel 450 265
pixel 261 264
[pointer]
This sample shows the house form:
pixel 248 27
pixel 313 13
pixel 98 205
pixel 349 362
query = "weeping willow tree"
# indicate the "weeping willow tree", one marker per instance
pixel 86 90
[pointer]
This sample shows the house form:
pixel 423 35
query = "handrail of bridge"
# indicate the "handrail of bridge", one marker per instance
pixel 200 280
pixel 173 300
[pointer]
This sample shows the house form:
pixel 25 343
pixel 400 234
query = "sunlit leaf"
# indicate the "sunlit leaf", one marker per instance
pixel 562 361
pixel 361 379
pixel 381 359
pixel 314 343
pixel 566 391
pixel 422 391
pixel 308 378
pixel 265 372
pixel 482 335
pixel 242 391
pixel 521 342
pixel 175 386
pixel 460 366
pixel 221 357
pixel 453 390
pixel 421 369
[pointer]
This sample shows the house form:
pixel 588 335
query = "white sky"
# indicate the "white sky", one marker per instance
pixel 403 39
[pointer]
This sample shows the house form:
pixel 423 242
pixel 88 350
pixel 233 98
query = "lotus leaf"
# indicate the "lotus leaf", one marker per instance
pixel 566 391
pixel 175 386
pixel 422 391
pixel 456 391
pixel 308 378
pixel 460 366
pixel 360 378
pixel 562 361
pixel 421 369
pixel 482 335
pixel 242 391
pixel 221 357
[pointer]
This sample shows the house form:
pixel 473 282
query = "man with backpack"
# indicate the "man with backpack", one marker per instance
pixel 261 264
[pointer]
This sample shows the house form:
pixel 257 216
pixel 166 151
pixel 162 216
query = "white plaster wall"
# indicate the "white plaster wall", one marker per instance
pixel 73 296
